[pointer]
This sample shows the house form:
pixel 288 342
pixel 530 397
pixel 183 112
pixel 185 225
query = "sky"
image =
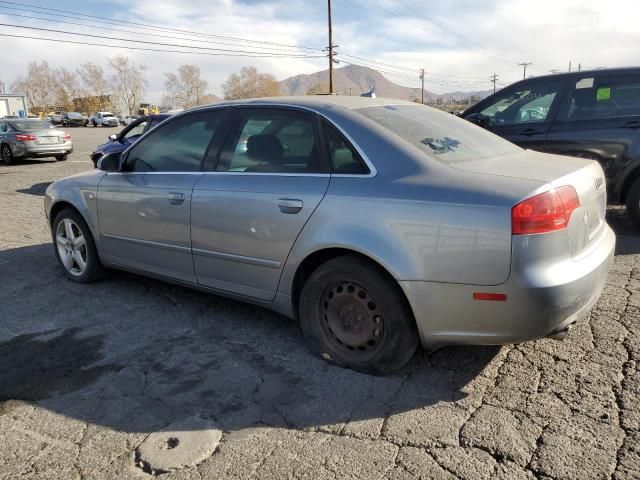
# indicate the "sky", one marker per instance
pixel 459 43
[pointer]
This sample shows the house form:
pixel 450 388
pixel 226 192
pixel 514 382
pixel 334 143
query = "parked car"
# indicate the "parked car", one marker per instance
pixel 129 135
pixel 587 114
pixel 54 118
pixel 104 119
pixel 126 120
pixel 74 119
pixel 377 223
pixel 29 138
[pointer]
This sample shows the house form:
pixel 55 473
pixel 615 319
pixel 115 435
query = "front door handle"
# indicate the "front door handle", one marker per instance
pixel 175 198
pixel 531 131
pixel 632 124
pixel 290 205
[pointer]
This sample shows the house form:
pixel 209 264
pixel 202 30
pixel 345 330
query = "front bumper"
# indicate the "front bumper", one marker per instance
pixel 540 301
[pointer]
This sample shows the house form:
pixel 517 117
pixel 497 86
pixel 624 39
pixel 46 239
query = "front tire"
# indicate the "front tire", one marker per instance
pixel 633 203
pixel 6 154
pixel 354 315
pixel 75 248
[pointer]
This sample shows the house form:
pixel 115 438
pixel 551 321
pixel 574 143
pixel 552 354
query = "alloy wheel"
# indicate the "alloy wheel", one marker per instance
pixel 72 247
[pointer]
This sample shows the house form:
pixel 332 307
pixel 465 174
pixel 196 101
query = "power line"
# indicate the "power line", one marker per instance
pixel 256 55
pixel 112 21
pixel 120 39
pixel 111 29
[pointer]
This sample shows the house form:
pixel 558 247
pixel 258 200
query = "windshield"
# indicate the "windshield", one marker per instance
pixel 108 115
pixel 30 125
pixel 440 135
pixel 73 115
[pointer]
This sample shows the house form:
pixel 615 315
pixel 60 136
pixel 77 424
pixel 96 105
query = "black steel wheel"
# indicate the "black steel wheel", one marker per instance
pixel 353 314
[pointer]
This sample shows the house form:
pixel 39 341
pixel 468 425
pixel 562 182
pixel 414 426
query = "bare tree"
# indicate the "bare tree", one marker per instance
pixel 94 88
pixel 185 88
pixel 319 88
pixel 39 86
pixel 128 82
pixel 67 88
pixel 250 83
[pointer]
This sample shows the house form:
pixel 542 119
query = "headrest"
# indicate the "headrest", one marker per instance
pixel 264 148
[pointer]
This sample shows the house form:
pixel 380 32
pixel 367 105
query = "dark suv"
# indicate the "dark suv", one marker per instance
pixel 589 114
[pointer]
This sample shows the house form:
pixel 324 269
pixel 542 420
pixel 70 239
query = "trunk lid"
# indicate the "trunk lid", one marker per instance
pixel 586 176
pixel 50 136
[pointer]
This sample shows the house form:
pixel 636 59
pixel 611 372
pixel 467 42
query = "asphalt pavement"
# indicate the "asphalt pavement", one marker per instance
pixel 130 377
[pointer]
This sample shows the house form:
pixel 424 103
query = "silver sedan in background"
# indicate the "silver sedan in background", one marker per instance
pixel 377 223
pixel 31 138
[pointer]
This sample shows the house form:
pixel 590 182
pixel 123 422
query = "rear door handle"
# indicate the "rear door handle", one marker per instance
pixel 175 198
pixel 290 205
pixel 632 124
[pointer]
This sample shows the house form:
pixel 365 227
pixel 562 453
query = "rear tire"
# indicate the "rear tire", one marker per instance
pixel 633 203
pixel 354 315
pixel 6 154
pixel 62 158
pixel 75 248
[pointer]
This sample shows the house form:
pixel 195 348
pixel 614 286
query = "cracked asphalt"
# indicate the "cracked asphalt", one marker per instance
pixel 87 372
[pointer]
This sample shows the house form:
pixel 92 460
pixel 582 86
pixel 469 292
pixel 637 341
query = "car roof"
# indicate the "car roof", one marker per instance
pixel 587 73
pixel 319 101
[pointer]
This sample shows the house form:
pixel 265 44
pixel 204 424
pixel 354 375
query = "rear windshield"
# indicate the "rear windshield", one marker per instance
pixel 108 115
pixel 30 125
pixel 443 136
pixel 73 115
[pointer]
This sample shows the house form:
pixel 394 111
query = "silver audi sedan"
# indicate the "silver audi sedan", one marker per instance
pixel 377 223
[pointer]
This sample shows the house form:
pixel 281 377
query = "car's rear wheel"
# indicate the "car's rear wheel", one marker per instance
pixel 75 248
pixel 62 158
pixel 5 153
pixel 354 315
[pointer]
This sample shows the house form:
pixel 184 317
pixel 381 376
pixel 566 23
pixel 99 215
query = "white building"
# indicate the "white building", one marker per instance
pixel 13 105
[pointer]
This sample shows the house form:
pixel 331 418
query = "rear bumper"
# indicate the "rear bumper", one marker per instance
pixel 36 151
pixel 540 301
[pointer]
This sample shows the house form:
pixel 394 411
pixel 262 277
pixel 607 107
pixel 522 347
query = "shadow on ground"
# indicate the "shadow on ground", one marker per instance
pixel 135 354
pixel 37 189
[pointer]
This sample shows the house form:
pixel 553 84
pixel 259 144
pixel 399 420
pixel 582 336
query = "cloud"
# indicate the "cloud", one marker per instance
pixel 453 39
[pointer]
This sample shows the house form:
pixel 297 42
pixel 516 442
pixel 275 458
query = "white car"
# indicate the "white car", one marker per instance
pixel 127 120
pixel 104 119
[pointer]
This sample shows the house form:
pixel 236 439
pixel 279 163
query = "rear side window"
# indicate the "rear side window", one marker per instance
pixel 344 157
pixel 271 141
pixel 440 135
pixel 605 97
pixel 176 146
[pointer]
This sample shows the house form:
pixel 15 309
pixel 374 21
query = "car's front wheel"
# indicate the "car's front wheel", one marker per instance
pixel 353 314
pixel 633 203
pixel 5 153
pixel 75 248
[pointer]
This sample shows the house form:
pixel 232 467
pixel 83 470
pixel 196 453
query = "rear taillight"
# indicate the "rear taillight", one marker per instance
pixel 23 137
pixel 66 137
pixel 545 212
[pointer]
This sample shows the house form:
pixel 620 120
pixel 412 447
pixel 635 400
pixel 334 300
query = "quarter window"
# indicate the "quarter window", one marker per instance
pixel 136 131
pixel 344 157
pixel 605 97
pixel 177 146
pixel 530 103
pixel 271 141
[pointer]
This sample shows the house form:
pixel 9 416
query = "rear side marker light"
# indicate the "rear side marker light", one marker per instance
pixel 492 297
pixel 545 212
pixel 21 137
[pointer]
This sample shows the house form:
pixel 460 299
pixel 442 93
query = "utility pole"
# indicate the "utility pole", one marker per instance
pixel 524 64
pixel 330 49
pixel 569 66
pixel 494 79
pixel 422 88
pixel 553 71
pixel 579 67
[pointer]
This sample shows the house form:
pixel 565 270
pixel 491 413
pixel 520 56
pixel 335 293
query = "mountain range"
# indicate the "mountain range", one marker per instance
pixel 355 80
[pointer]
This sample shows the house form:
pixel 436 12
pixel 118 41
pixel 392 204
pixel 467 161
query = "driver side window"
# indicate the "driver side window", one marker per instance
pixel 530 103
pixel 176 146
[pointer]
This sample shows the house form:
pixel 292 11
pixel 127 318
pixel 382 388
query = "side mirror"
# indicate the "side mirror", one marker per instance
pixel 110 162
pixel 113 137
pixel 478 119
